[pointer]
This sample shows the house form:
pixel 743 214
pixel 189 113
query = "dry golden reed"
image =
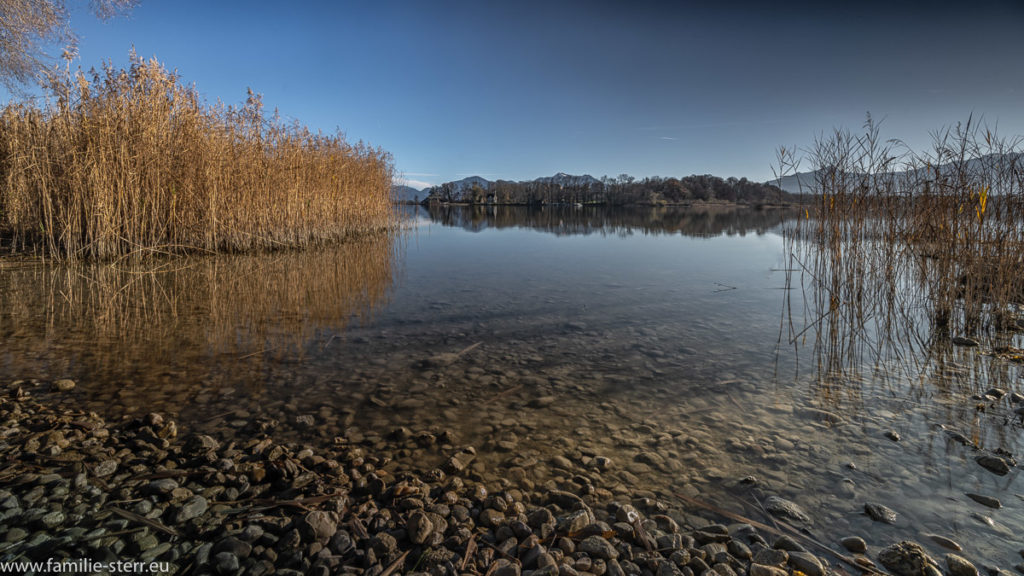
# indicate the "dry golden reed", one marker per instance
pixel 130 162
pixel 900 252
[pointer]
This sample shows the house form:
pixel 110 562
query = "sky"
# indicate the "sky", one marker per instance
pixel 517 90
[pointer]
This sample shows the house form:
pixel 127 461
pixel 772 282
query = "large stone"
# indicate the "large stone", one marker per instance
pixel 317 525
pixel 985 500
pixel 880 513
pixel 105 468
pixel 192 508
pixel 161 486
pixel 993 464
pixel 225 563
pixel 786 509
pixel 762 570
pixel 960 566
pixel 419 527
pixel 459 461
pixel 905 559
pixel 384 544
pixel 771 557
pixel 573 522
pixel 198 444
pixel 598 547
pixel 807 563
pixel 506 568
pixel 854 544
pixel 233 545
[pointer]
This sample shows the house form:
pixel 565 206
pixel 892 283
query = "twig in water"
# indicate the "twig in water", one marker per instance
pixel 143 520
pixel 470 549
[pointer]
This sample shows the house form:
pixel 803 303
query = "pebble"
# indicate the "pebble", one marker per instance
pixel 994 464
pixel 880 513
pixel 985 500
pixel 959 566
pixel 785 508
pixel 597 547
pixel 771 557
pixel 318 525
pixel 226 563
pixel 945 542
pixel 419 527
pixel 192 508
pixel 854 544
pixel 763 570
pixel 807 563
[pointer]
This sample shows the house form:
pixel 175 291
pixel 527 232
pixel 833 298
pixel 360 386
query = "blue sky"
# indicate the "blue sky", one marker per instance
pixel 522 89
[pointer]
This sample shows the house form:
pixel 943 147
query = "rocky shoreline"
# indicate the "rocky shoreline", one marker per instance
pixel 73 487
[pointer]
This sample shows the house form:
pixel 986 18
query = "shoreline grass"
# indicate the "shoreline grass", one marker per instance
pixel 124 162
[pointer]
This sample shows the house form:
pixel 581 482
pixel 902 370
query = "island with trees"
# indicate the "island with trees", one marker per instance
pixel 622 190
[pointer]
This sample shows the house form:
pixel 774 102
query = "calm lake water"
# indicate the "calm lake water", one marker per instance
pixel 547 338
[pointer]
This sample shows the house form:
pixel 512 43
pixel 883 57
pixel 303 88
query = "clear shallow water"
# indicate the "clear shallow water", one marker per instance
pixel 650 337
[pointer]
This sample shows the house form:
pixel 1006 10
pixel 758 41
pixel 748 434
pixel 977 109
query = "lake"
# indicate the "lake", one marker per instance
pixel 632 353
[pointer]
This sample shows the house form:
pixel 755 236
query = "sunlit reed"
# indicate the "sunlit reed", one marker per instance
pixel 901 251
pixel 132 162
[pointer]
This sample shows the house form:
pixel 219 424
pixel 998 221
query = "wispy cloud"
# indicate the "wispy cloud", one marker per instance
pixel 669 138
pixel 481 174
pixel 414 183
pixel 420 174
pixel 699 125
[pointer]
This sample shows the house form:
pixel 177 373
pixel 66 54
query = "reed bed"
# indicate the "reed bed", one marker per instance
pixel 126 162
pixel 900 252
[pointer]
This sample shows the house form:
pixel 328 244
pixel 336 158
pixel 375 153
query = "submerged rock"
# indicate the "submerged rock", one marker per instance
pixel 854 544
pixel 785 508
pixel 993 464
pixel 985 500
pixel 945 542
pixel 959 566
pixel 880 513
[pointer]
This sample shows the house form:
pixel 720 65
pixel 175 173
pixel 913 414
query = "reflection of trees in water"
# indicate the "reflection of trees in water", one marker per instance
pixel 570 220
pixel 91 319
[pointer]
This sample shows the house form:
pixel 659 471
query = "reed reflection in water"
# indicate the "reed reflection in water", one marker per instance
pixel 104 324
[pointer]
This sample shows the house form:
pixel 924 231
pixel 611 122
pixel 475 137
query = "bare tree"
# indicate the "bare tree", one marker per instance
pixel 28 28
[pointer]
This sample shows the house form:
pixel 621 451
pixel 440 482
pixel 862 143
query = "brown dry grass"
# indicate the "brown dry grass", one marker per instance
pixel 130 162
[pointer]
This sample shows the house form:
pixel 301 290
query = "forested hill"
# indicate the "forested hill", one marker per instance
pixel 623 190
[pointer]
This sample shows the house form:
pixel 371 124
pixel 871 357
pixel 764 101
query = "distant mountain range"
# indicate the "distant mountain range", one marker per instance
pixel 806 181
pixel 405 194
pixel 459 188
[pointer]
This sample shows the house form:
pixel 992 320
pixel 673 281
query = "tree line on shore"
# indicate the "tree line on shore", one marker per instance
pixel 621 190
